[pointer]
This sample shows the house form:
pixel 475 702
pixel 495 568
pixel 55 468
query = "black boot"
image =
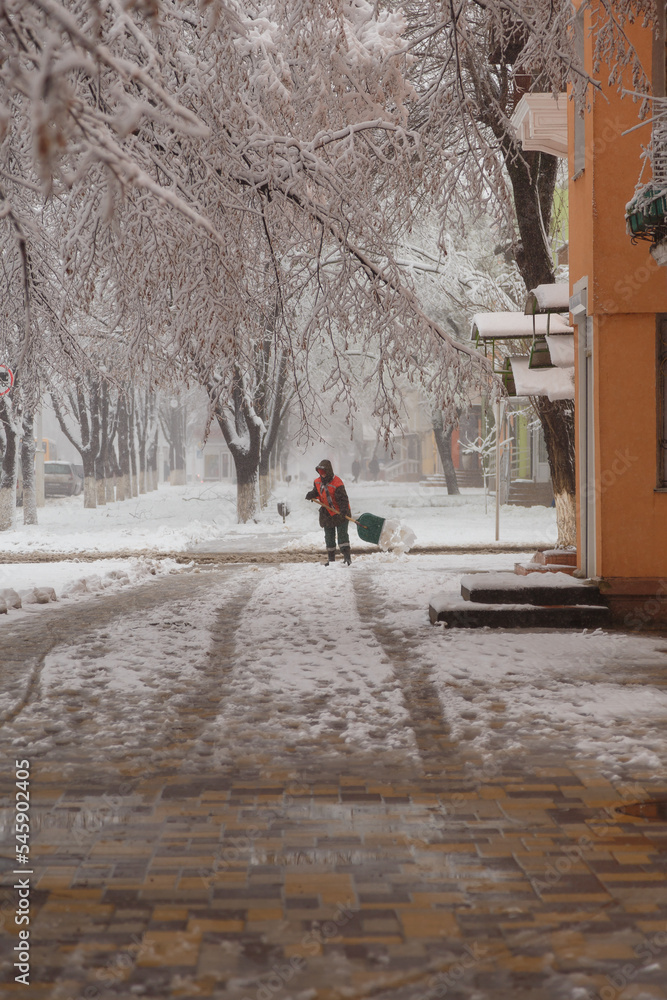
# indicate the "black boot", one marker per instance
pixel 347 558
pixel 331 556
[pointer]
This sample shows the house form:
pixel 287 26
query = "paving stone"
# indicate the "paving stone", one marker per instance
pixel 377 875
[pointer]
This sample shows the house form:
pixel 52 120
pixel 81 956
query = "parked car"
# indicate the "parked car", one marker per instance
pixel 61 479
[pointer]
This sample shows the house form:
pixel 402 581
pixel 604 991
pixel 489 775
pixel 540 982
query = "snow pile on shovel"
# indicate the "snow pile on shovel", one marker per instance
pixel 396 536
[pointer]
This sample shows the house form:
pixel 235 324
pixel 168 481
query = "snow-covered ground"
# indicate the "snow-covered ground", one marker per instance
pixel 304 634
pixel 72 579
pixel 599 694
pixel 327 659
pixel 203 517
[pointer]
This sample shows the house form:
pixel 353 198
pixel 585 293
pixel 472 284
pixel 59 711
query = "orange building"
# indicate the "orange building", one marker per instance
pixel 619 309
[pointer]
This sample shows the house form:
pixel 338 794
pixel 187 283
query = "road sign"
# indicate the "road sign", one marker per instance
pixel 6 380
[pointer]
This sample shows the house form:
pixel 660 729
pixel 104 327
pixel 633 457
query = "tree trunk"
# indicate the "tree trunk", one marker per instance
pixel 152 462
pixel 243 434
pixel 9 467
pixel 100 488
pixel 443 440
pixel 89 480
pixel 533 176
pixel 145 420
pixel 110 458
pixel 264 480
pixel 28 470
pixel 177 474
pixel 533 180
pixel 246 489
pixel 116 473
pixel 87 413
pixel 131 444
pixel 142 465
pixel 101 459
pixel 90 437
pixel 557 419
pixel 124 449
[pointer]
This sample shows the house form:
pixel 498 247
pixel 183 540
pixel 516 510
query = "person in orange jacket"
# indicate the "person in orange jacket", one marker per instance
pixel 330 491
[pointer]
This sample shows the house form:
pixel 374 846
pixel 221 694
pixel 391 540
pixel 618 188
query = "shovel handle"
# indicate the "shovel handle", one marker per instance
pixel 333 512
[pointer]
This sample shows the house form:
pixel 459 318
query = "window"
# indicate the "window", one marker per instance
pixel 662 402
pixel 57 469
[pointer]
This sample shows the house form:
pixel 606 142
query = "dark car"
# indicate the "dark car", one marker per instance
pixel 61 479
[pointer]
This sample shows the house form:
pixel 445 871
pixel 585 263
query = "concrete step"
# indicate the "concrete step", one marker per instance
pixel 523 569
pixel 540 589
pixel 560 556
pixel 467 615
pixel 523 493
pixel 466 479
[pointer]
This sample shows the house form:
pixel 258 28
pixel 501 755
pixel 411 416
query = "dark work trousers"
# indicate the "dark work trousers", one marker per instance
pixel 330 535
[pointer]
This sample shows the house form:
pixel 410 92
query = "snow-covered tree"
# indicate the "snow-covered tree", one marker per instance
pixel 471 63
pixel 202 154
pixel 189 163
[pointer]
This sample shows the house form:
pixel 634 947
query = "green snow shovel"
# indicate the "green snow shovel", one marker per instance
pixel 369 526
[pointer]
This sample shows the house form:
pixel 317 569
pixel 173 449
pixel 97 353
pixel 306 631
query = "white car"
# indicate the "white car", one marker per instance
pixel 61 479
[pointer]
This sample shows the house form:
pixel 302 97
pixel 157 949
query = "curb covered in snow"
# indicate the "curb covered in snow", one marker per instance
pixel 269 556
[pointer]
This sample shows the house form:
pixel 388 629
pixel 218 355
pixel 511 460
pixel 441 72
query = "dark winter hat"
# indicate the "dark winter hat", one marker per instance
pixel 325 468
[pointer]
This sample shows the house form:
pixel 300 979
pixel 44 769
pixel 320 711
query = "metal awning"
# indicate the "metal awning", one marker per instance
pixel 515 325
pixel 548 298
pixel 556 383
pixel 540 122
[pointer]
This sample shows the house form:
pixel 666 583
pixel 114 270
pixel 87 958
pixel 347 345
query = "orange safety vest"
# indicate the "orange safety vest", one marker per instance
pixel 326 492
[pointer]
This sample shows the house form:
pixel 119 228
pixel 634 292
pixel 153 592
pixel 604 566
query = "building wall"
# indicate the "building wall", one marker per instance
pixel 625 291
pixel 632 515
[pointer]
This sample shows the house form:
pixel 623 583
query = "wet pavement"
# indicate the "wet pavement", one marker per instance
pixel 199 859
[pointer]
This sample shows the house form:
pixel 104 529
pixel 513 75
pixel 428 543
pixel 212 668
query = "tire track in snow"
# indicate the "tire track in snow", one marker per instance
pixel 311 686
pixel 420 693
pixel 124 681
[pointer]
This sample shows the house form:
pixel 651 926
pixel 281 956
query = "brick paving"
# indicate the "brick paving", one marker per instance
pixel 274 875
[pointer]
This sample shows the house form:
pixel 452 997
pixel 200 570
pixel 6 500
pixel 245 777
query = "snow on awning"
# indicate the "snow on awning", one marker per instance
pixel 561 350
pixel 556 383
pixel 512 325
pixel 548 298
